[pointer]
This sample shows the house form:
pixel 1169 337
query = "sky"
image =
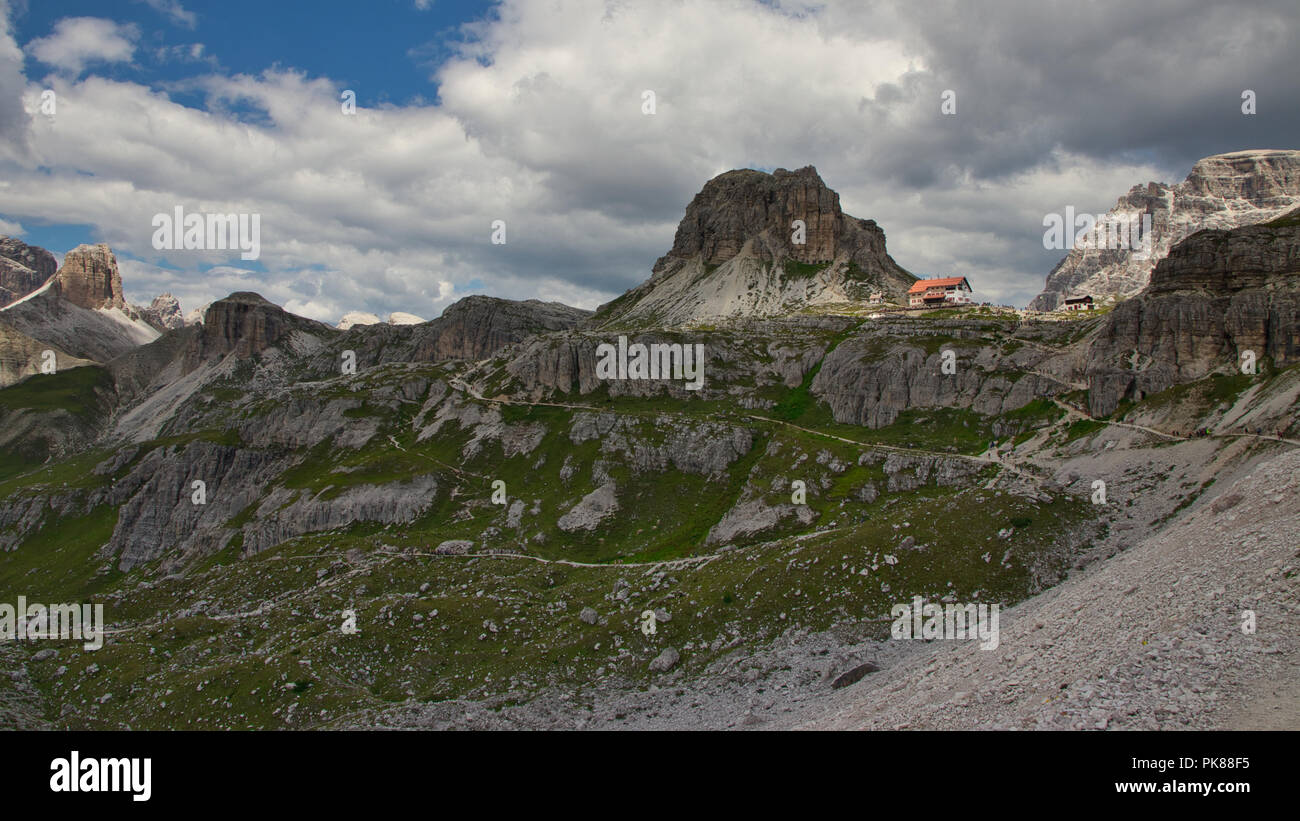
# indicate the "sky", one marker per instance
pixel 532 112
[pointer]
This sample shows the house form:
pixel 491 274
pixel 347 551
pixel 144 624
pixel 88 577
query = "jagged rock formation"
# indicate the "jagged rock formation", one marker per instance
pixel 164 313
pixel 867 383
pixel 1216 295
pixel 735 254
pixel 23 269
pixel 1223 191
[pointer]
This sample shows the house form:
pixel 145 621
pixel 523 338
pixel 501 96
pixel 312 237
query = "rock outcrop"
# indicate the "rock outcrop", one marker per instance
pixel 478 326
pixel 1223 191
pixel 23 269
pixel 245 324
pixel 869 382
pixel 736 253
pixel 591 510
pixel 89 278
pixel 1217 295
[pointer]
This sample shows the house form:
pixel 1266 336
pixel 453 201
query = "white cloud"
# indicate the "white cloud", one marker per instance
pixel 13 116
pixel 540 124
pixel 174 11
pixel 77 42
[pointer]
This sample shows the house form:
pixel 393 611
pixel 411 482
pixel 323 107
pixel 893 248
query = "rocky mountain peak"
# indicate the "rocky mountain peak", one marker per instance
pixel 164 313
pixel 737 253
pixel 23 269
pixel 477 325
pixel 745 206
pixel 89 278
pixel 1222 192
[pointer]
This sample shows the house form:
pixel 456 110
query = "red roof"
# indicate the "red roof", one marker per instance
pixel 923 285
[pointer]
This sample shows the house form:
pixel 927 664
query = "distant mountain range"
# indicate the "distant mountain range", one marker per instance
pixel 499 508
pixel 1223 191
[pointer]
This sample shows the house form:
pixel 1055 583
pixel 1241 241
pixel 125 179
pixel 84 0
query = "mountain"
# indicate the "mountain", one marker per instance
pixel 1217 295
pixel 23 269
pixel 735 255
pixel 164 313
pixel 89 278
pixel 479 326
pixel 79 311
pixel 500 513
pixel 354 318
pixel 403 318
pixel 1223 191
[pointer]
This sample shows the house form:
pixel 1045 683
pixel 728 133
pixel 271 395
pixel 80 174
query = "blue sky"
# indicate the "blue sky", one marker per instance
pixel 380 48
pixel 529 111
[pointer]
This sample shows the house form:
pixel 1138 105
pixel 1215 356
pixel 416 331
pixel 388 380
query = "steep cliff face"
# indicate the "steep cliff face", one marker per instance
pixel 89 278
pixel 1217 295
pixel 245 324
pixel 23 269
pixel 1223 191
pixel 747 206
pixel 736 254
pixel 869 381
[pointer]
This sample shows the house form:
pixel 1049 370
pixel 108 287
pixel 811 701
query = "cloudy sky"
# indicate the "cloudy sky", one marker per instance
pixel 531 112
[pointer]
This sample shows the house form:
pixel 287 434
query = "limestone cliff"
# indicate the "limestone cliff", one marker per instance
pixel 1217 295
pixel 1223 191
pixel 737 254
